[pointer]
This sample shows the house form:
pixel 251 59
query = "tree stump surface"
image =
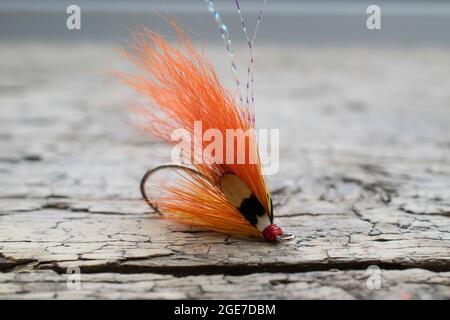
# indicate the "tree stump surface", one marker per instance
pixel 363 181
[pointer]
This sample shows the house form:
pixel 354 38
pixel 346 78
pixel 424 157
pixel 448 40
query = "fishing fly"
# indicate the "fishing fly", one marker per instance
pixel 182 86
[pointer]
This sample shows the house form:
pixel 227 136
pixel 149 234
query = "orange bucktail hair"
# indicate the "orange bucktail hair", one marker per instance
pixel 182 87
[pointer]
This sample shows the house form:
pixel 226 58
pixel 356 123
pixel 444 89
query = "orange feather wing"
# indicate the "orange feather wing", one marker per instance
pixel 182 87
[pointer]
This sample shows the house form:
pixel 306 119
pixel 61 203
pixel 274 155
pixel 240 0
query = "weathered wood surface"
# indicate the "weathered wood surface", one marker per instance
pixel 364 180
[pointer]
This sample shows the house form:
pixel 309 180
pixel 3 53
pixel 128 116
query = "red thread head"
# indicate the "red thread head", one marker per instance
pixel 270 233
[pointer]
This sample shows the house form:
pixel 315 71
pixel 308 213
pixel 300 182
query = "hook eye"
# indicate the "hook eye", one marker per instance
pixel 286 237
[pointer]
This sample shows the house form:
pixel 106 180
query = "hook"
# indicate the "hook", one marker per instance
pixel 147 175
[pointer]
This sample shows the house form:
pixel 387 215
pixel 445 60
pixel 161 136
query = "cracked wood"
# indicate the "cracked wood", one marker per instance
pixel 364 180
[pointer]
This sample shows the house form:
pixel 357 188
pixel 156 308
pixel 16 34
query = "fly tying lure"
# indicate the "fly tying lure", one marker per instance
pixel 229 197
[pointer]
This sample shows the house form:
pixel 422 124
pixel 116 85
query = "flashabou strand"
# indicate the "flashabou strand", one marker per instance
pixel 250 42
pixel 258 20
pixel 249 112
pixel 226 39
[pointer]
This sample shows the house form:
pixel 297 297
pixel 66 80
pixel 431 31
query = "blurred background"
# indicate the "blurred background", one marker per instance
pixel 318 22
pixel 337 91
